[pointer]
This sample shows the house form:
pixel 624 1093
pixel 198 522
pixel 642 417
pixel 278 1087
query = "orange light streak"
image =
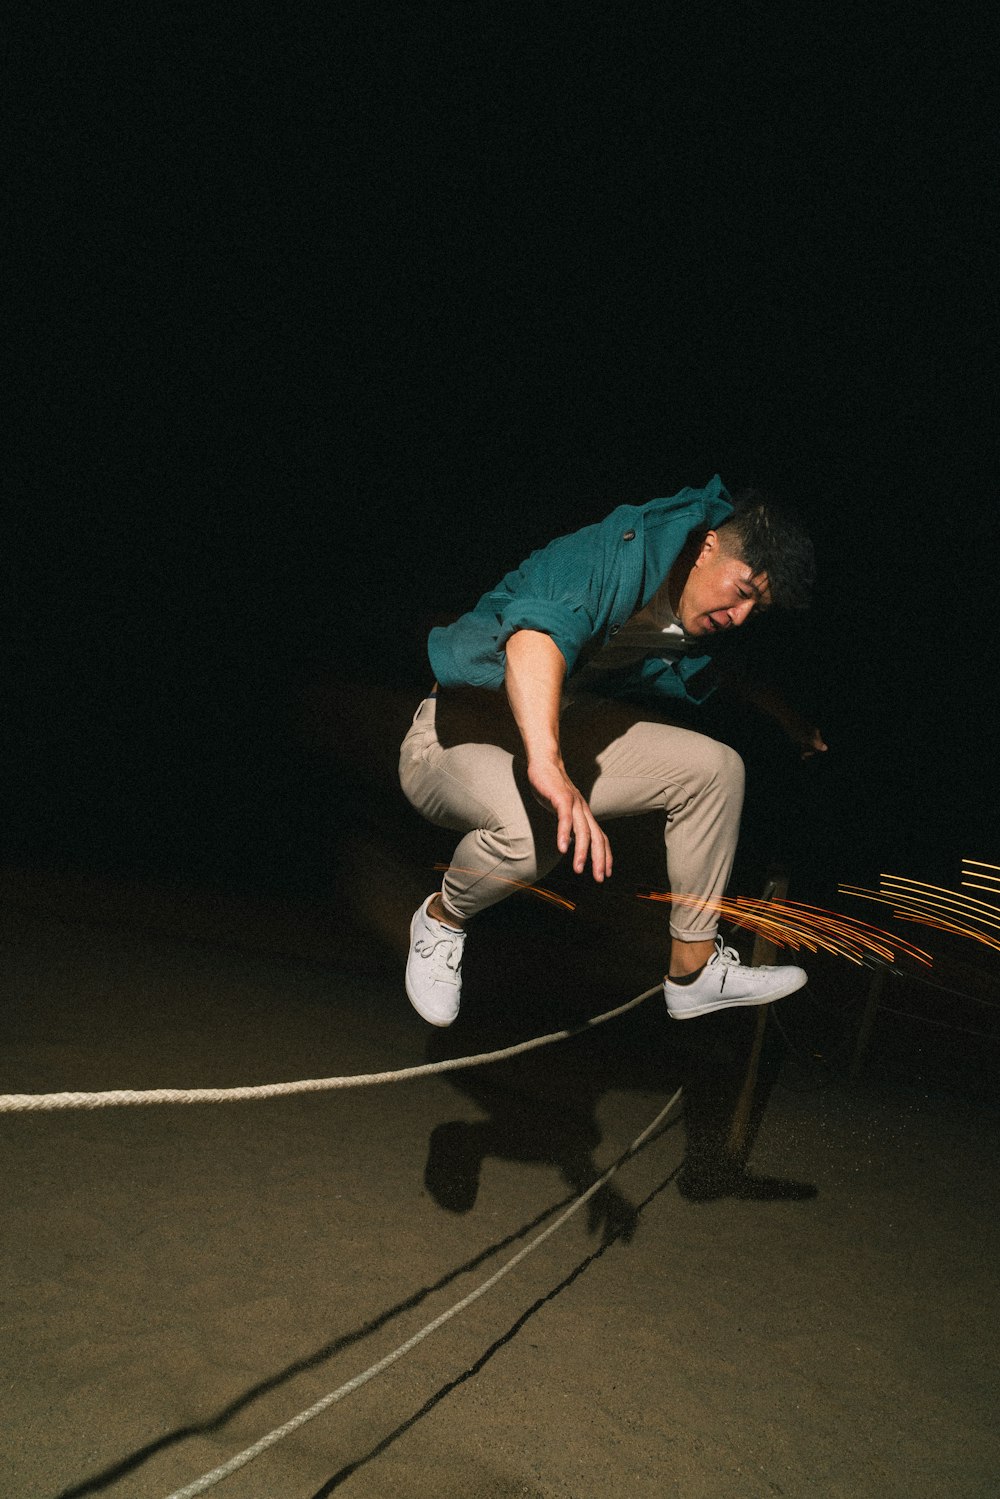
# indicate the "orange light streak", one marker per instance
pixel 907 902
pixel 953 927
pixel 981 872
pixel 935 906
pixel 798 924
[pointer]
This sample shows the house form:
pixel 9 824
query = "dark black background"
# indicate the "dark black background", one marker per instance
pixel 322 317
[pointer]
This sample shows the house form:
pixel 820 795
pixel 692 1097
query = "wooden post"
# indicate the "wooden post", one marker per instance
pixel 775 888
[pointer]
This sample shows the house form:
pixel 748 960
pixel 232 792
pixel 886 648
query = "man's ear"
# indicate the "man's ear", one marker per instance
pixel 709 547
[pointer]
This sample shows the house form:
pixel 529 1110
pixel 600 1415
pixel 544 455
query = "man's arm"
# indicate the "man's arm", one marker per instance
pixel 804 735
pixel 534 676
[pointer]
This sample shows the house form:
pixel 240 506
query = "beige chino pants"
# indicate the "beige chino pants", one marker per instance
pixel 462 767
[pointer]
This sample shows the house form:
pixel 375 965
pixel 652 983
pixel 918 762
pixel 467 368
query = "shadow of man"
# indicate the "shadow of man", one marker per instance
pixel 526 1125
pixel 529 976
pixel 716 1161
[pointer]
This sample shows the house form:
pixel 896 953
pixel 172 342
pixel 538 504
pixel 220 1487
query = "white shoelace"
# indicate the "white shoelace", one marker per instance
pixel 726 957
pixel 449 961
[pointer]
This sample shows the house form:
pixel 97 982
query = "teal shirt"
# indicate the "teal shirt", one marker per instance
pixel 581 589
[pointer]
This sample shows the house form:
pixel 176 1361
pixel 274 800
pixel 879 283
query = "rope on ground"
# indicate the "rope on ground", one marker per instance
pixel 209 1480
pixel 19 1103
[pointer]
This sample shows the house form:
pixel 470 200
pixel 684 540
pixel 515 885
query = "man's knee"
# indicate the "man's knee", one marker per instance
pixel 723 767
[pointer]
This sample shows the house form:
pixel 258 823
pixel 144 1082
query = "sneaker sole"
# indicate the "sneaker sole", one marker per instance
pixel 746 1000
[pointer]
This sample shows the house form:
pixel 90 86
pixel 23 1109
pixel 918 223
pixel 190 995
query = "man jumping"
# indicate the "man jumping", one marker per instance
pixel 535 731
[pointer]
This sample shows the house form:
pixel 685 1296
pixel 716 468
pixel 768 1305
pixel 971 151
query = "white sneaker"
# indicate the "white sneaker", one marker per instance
pixel 434 968
pixel 725 981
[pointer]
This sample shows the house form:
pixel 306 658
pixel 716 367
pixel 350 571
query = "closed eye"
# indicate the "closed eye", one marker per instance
pixel 751 593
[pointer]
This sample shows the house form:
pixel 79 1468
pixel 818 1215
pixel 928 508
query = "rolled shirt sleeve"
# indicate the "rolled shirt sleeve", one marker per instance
pixel 472 650
pixel 569 625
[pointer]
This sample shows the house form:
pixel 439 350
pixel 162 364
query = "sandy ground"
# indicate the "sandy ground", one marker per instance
pixel 180 1281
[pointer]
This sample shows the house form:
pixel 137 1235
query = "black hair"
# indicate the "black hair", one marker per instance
pixel 770 539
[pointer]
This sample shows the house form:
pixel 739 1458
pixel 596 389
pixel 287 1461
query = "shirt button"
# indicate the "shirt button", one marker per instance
pixel 629 536
pixel 614 629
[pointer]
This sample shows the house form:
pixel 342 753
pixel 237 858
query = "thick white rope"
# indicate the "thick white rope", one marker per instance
pixel 19 1103
pixel 209 1480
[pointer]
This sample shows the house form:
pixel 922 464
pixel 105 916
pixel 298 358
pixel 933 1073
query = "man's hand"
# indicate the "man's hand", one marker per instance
pixel 804 735
pixel 812 745
pixel 575 821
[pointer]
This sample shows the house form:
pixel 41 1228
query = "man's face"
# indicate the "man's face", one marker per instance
pixel 720 592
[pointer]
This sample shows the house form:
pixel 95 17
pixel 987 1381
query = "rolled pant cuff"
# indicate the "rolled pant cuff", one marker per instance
pixel 689 934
